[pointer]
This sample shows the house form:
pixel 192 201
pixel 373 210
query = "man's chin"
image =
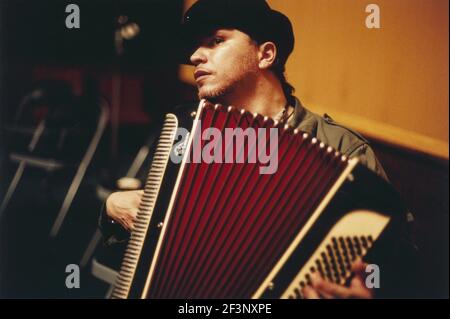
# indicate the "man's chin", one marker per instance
pixel 211 94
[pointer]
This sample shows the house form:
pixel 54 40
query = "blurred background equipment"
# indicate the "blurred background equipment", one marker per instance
pixel 57 85
pixel 51 143
pixel 125 30
pixel 63 126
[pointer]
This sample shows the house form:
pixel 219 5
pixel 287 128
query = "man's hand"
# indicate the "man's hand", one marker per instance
pixel 122 207
pixel 322 288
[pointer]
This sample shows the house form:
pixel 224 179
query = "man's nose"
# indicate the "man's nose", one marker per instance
pixel 199 56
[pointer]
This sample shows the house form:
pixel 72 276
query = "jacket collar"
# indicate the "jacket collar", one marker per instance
pixel 303 119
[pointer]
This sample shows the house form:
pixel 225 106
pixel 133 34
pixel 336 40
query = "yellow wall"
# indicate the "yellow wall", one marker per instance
pixel 389 83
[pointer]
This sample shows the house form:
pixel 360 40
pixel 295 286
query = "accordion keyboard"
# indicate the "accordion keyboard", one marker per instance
pixel 155 177
pixel 340 248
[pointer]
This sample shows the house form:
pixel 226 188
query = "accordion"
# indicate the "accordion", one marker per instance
pixel 240 223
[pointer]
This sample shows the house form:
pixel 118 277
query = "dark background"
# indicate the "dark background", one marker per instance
pixel 37 49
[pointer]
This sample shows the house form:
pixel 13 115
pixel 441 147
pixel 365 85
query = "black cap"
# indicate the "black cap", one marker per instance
pixel 253 17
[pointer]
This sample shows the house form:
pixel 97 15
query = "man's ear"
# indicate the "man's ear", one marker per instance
pixel 267 55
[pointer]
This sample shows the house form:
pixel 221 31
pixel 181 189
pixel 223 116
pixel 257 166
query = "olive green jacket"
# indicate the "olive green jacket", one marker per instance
pixel 341 138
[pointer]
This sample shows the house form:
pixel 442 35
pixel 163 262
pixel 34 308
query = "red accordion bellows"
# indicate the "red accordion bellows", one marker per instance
pixel 229 224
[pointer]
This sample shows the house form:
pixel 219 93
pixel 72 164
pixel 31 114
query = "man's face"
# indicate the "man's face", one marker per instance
pixel 226 61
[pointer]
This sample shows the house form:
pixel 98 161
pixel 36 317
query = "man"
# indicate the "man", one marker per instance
pixel 239 50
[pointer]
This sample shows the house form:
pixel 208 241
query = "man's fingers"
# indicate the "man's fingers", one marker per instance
pixel 358 264
pixel 326 289
pixel 357 281
pixel 359 268
pixel 317 281
pixel 139 193
pixel 329 289
pixel 130 225
pixel 134 215
pixel 132 220
pixel 326 295
pixel 360 290
pixel 138 197
pixel 310 293
pixel 127 221
pixel 124 224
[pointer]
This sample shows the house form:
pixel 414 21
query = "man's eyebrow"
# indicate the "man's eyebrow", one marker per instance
pixel 209 35
pixel 222 32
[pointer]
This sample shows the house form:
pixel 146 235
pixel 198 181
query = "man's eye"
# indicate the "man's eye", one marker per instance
pixel 217 40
